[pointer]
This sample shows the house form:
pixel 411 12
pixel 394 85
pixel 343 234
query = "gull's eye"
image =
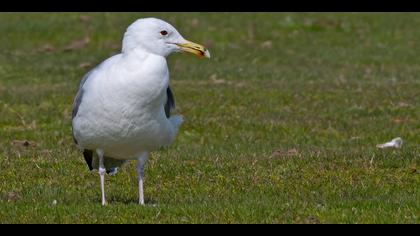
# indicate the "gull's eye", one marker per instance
pixel 163 32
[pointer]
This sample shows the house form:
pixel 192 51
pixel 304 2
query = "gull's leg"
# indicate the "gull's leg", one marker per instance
pixel 141 161
pixel 102 171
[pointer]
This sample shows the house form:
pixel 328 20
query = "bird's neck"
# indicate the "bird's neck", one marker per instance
pixel 149 76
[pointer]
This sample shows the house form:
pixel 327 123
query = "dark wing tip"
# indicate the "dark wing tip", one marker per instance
pixel 170 103
pixel 88 154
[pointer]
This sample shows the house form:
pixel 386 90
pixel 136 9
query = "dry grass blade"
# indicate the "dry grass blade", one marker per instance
pixel 78 44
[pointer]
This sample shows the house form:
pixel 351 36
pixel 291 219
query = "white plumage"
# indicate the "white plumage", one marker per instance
pixel 121 110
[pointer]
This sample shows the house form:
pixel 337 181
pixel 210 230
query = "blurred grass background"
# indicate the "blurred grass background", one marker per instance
pixel 281 124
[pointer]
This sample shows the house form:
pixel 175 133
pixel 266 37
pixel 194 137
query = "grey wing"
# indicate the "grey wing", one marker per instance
pixel 88 154
pixel 170 102
pixel 78 99
pixel 79 95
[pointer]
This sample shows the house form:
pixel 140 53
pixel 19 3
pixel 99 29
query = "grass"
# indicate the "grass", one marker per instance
pixel 281 124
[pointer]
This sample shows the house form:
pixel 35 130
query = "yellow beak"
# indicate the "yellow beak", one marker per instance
pixel 194 48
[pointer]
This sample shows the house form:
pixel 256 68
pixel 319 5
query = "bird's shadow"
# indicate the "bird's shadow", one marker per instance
pixel 126 200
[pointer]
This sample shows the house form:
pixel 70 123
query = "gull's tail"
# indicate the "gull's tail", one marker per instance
pixel 176 122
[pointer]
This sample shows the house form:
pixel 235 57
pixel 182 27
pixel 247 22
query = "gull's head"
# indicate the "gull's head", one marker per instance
pixel 159 37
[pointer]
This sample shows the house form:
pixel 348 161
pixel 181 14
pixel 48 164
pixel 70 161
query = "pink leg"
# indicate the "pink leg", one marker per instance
pixel 102 171
pixel 141 161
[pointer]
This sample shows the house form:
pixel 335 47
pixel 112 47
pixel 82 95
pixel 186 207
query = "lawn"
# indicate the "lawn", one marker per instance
pixel 281 124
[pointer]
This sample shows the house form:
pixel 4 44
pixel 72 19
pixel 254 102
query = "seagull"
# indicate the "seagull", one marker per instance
pixel 122 110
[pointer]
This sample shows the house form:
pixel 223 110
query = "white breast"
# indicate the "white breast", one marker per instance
pixel 122 107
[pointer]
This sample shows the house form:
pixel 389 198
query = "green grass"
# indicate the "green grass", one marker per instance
pixel 329 86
